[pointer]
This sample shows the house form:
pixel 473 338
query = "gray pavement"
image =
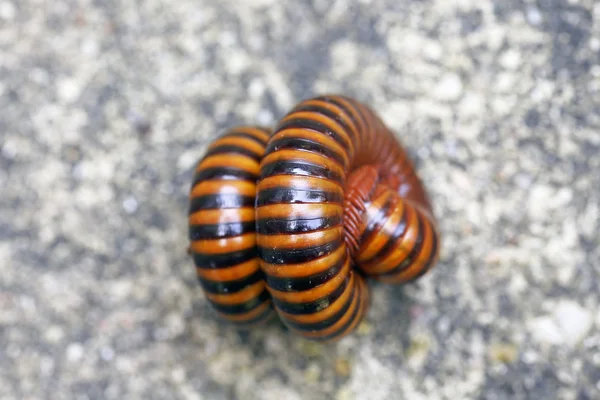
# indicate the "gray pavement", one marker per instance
pixel 106 105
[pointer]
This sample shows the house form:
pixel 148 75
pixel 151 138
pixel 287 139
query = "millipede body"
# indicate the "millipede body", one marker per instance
pixel 291 222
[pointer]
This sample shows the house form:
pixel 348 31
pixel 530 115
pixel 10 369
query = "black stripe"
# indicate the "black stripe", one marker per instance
pixel 223 230
pixel 313 306
pixel 326 323
pixel 327 113
pixel 429 263
pixel 244 135
pixel 393 238
pixel 234 286
pixel 300 284
pixel 224 173
pixel 242 308
pixel 233 149
pixel 276 226
pixel 298 143
pixel 413 253
pixel 355 314
pixel 298 256
pixel 378 220
pixel 216 261
pixel 305 123
pixel 220 201
pixel 350 114
pixel 299 168
pixel 268 311
pixel 359 110
pixel 287 195
pixel 363 123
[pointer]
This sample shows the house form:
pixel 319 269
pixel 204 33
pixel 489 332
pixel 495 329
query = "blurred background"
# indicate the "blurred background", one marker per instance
pixel 106 106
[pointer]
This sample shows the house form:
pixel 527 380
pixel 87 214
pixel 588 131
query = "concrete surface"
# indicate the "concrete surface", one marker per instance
pixel 106 105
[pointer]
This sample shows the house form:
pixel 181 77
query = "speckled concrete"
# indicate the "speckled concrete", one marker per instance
pixel 106 105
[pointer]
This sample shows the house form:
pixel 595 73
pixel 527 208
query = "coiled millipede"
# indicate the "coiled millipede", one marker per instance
pixel 277 222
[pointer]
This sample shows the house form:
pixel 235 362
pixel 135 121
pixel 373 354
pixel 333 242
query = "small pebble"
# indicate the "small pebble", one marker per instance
pixel 107 353
pixel 534 16
pixel 130 205
pixel 7 11
pixel 310 349
pixel 74 352
pixel 364 328
pixel 511 59
pixel 264 117
pixel 312 373
pixel 178 374
pixel 344 393
pixel 503 352
pixel 46 366
pixel 574 321
pixel 9 149
pixel 342 367
pixel 54 334
pixel 68 89
pixel 256 88
pixel 449 88
pixel 545 331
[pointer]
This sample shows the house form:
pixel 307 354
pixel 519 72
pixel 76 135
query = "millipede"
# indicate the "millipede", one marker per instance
pixel 291 221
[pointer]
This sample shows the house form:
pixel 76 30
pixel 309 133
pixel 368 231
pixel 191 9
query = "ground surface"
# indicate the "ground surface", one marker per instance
pixel 106 105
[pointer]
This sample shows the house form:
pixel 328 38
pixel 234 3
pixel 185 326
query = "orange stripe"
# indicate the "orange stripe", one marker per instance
pixel 222 216
pixel 339 323
pixel 327 312
pixel 300 182
pixel 328 122
pixel 400 250
pixel 307 269
pixel 315 293
pixel 261 134
pixel 216 186
pixel 417 265
pixel 246 143
pixel 231 273
pixel 230 160
pixel 224 245
pixel 299 211
pixel 321 138
pixel 314 158
pixel 376 240
pixel 339 113
pixel 300 240
pixel 240 297
pixel 247 316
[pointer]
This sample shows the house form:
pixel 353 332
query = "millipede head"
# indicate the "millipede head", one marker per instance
pixel 359 189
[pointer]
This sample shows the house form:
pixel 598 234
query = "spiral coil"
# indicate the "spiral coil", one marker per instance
pixel 290 222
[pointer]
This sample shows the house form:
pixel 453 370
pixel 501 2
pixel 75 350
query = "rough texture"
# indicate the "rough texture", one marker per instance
pixel 106 105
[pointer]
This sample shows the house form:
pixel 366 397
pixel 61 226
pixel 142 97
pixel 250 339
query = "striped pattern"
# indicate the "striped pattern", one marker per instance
pixel 271 218
pixel 300 226
pixel 222 226
pixel 398 241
